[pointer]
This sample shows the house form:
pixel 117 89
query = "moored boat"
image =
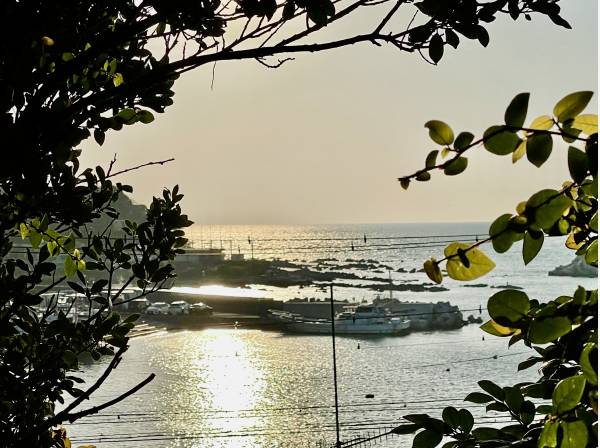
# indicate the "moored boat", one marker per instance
pixel 359 319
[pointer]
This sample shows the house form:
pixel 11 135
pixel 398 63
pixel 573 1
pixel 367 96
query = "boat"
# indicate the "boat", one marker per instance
pixel 356 319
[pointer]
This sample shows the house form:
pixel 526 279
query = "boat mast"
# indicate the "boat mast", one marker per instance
pixel 338 444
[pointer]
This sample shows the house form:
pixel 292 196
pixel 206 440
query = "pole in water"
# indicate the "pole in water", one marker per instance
pixel 337 416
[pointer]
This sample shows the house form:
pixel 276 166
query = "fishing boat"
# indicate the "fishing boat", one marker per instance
pixel 357 319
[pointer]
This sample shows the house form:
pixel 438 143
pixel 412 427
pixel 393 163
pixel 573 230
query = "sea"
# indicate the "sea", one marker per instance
pixel 237 387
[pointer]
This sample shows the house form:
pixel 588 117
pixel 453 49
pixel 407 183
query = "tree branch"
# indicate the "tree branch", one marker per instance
pixel 160 162
pixel 96 409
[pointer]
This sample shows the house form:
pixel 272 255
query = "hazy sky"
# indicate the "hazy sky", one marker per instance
pixel 323 138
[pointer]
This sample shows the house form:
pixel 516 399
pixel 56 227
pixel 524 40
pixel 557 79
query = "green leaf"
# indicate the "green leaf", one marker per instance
pixel 456 166
pixel 145 116
pixel 532 243
pixel 539 148
pixel 502 238
pixel 549 206
pixel 492 388
pixel 433 271
pixel 542 331
pixel 520 151
pixel 440 132
pixel 508 306
pixel 575 434
pixel 118 79
pixel 587 123
pixel 423 177
pixel 494 328
pixel 431 158
pixel 70 266
pixel 548 436
pixel 500 141
pixel 517 110
pixel 35 238
pixel 480 264
pixel 589 362
pixel 594 222
pixel 127 114
pixel 572 105
pixel 591 254
pixel 23 230
pixel 463 140
pixel 543 123
pixel 436 48
pixel 478 397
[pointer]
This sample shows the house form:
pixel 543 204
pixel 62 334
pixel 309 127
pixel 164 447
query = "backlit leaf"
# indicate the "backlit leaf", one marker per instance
pixel 572 105
pixel 432 269
pixel 500 141
pixel 542 123
pixel 520 151
pixel 440 132
pixel 494 328
pixel 548 205
pixel 118 79
pixel 587 123
pixel 480 264
pixel 70 266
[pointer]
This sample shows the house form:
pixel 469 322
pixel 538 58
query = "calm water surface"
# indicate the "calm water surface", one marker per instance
pixel 251 388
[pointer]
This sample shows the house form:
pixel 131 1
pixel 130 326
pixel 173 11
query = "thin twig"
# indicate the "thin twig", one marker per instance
pixel 160 162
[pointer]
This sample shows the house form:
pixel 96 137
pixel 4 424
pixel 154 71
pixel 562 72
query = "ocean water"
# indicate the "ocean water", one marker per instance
pixel 250 388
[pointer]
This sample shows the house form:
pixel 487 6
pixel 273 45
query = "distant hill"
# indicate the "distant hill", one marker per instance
pixel 127 210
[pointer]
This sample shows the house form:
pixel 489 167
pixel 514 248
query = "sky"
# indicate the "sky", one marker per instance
pixel 323 138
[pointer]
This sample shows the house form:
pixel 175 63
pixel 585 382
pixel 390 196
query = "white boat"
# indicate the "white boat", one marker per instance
pixel 359 319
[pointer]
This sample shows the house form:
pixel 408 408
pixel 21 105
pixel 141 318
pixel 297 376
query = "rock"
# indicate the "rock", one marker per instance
pixel 577 268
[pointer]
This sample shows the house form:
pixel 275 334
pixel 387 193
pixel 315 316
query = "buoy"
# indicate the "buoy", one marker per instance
pixel 358 346
pixel 448 369
pixel 369 396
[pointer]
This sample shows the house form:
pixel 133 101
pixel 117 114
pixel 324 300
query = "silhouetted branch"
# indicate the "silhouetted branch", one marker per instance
pixel 160 162
pixel 64 414
pixel 96 409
